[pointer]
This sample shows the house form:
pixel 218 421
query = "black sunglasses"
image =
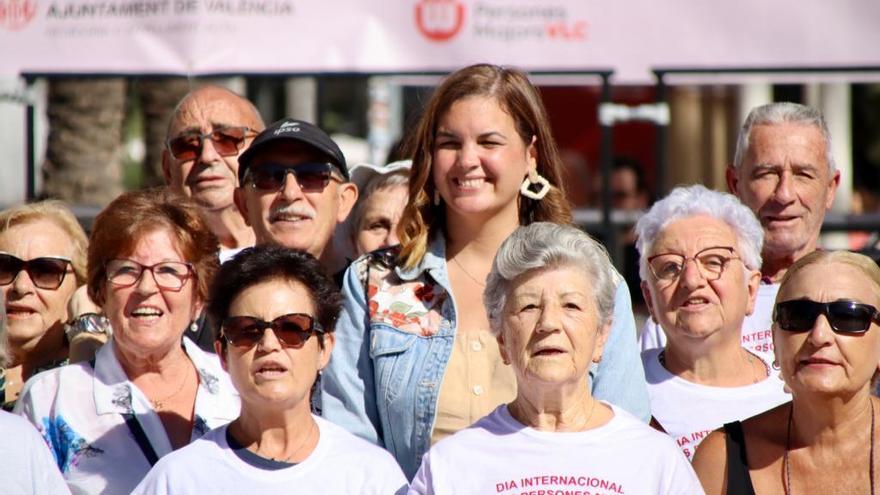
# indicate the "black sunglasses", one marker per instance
pixel 844 316
pixel 46 272
pixel 311 177
pixel 228 141
pixel 293 330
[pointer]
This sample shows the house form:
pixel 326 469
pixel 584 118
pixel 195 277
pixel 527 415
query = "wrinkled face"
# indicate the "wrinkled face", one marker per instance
pixel 31 311
pixel 785 180
pixel 378 225
pixel 479 159
pixel 819 360
pixel 269 372
pixel 147 319
pixel 290 216
pixel 210 178
pixel 550 329
pixel 692 308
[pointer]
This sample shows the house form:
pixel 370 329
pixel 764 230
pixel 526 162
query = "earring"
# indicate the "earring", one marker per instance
pixel 193 327
pixel 436 197
pixel 775 365
pixel 535 178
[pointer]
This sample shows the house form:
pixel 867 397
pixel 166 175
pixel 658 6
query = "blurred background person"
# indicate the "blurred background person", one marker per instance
pixel 416 360
pixel 550 300
pixel 382 197
pixel 42 262
pixel 149 390
pixel 274 310
pixel 700 261
pixel 827 344
pixel 629 192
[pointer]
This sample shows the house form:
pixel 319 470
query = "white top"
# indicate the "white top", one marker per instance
pixel 79 411
pixel 756 334
pixel 690 411
pixel 501 456
pixel 226 254
pixel 26 465
pixel 340 464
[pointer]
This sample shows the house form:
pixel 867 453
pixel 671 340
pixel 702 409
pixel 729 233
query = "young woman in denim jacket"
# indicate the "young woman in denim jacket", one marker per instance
pixel 415 359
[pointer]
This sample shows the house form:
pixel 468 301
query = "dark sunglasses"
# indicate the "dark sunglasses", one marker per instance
pixel 228 141
pixel 844 316
pixel 46 272
pixel 311 177
pixel 293 330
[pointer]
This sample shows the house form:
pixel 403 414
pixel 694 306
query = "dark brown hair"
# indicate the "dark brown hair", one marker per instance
pixel 119 227
pixel 516 96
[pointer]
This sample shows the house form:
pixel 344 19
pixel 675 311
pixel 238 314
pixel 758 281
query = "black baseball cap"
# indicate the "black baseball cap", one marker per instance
pixel 297 130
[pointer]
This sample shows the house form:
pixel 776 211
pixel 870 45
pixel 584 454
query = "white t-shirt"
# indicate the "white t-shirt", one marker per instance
pixel 501 456
pixel 756 334
pixel 26 465
pixel 340 464
pixel 81 412
pixel 690 411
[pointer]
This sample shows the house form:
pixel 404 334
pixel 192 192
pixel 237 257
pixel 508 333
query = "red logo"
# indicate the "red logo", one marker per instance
pixel 439 20
pixel 16 14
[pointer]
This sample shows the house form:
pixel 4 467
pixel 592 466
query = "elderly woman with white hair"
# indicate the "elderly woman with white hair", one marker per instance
pixel 550 301
pixel 699 262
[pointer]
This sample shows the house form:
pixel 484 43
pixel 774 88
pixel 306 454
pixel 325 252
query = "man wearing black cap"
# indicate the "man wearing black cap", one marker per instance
pixel 294 189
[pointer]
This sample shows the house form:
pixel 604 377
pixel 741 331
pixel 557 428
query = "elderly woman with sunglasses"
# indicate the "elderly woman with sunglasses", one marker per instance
pixel 699 258
pixel 550 301
pixel 42 262
pixel 149 390
pixel 275 309
pixel 827 343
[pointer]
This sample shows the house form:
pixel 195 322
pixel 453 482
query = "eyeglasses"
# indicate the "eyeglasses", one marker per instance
pixel 168 275
pixel 311 177
pixel 227 141
pixel 710 261
pixel 844 316
pixel 293 330
pixel 46 272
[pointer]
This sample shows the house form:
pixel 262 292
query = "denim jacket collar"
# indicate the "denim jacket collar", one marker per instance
pixel 433 262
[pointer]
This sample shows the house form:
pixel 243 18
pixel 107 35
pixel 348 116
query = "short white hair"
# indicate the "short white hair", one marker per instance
pixel 782 113
pixel 689 201
pixel 548 245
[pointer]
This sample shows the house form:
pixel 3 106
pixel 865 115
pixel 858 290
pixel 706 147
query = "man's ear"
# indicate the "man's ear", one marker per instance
pixel 832 189
pixel 166 167
pixel 732 180
pixel 348 195
pixel 238 197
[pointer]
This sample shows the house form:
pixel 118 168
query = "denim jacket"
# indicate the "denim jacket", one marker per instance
pixel 383 380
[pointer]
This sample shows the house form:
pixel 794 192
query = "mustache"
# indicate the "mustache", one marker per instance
pixel 287 211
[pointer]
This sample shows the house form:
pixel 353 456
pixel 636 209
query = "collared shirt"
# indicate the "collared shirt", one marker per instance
pixel 79 409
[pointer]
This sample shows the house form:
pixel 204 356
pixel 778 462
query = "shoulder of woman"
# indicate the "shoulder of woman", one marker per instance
pixel 710 462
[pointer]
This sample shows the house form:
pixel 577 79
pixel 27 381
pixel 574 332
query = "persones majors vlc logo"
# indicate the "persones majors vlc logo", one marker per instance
pixel 439 20
pixel 16 14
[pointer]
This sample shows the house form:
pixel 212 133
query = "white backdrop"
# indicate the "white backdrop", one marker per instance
pixel 199 37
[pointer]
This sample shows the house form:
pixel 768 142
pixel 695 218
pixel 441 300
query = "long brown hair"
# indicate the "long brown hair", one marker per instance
pixel 516 96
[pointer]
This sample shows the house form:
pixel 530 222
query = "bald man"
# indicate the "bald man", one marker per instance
pixel 209 129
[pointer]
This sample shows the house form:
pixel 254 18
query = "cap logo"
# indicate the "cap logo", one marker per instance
pixel 287 127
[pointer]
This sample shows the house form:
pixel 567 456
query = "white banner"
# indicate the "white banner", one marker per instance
pixel 196 37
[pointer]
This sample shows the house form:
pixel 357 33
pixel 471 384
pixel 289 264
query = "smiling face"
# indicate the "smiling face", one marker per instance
pixel 268 374
pixel 690 308
pixel 31 311
pixel 147 320
pixel 479 159
pixel 292 217
pixel 818 360
pixel 210 178
pixel 785 180
pixel 550 328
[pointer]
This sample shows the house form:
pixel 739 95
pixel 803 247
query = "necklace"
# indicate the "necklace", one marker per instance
pixel 299 447
pixel 481 284
pixel 787 464
pixel 159 404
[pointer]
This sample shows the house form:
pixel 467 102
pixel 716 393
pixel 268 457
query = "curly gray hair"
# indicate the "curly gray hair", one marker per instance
pixel 549 245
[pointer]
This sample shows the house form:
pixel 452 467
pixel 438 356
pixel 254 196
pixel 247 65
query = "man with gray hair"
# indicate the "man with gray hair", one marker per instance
pixel 784 172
